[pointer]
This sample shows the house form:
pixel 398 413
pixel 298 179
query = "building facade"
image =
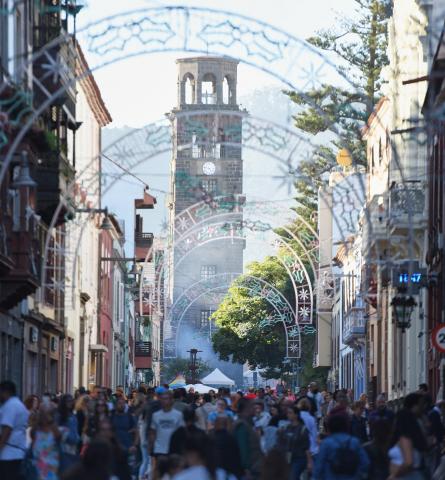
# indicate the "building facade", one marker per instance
pixel 107 351
pixel 432 111
pixel 396 207
pixel 144 294
pixel 82 237
pixel 340 313
pixel 36 194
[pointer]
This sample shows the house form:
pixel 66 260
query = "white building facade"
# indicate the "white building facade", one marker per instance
pixel 82 235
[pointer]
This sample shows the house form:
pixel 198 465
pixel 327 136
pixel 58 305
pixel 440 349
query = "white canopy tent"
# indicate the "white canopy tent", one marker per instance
pixel 200 388
pixel 217 378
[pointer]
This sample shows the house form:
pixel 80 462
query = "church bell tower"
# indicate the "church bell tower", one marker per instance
pixel 206 170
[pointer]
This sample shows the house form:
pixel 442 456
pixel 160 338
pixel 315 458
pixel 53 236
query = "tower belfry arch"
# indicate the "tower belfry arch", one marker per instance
pixel 207 76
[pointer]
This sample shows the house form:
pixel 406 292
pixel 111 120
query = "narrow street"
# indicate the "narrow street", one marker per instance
pixel 222 240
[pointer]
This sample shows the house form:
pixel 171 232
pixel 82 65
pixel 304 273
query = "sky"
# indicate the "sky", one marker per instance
pixel 142 89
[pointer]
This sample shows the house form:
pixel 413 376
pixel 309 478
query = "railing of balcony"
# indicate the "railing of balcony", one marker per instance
pixel 142 349
pixel 406 199
pixel 354 323
pixel 144 238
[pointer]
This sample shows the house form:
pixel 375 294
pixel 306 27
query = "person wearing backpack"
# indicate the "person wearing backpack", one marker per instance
pixel 294 441
pixel 341 456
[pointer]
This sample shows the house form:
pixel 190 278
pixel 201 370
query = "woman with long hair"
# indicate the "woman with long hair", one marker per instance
pixel 408 441
pixel 81 409
pixel 100 413
pixel 294 440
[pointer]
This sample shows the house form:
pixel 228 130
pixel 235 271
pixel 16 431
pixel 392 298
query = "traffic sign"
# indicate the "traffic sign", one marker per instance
pixel 438 338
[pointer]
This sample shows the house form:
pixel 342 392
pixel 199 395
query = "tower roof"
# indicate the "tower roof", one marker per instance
pixel 207 58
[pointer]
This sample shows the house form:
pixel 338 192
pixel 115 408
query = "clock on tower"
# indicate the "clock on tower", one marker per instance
pixel 208 168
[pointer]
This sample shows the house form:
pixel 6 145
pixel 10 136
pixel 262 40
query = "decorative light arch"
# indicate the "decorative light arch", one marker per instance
pixel 283 312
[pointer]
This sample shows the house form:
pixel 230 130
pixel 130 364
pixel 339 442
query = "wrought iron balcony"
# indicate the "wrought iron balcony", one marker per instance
pixel 142 349
pixel 407 206
pixel 354 326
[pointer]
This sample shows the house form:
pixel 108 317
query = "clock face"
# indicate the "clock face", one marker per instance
pixel 208 168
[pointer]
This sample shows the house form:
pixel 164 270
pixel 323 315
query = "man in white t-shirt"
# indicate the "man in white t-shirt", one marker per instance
pixel 163 423
pixel 13 424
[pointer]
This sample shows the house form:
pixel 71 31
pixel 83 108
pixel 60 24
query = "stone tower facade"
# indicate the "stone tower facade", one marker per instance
pixel 206 169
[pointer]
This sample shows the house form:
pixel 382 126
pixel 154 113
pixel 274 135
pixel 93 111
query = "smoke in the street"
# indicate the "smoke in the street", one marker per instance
pixel 189 338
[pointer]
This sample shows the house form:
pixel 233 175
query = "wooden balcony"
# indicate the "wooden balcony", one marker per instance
pixel 19 246
pixel 23 279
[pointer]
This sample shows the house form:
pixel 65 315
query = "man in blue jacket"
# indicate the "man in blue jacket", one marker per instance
pixel 341 457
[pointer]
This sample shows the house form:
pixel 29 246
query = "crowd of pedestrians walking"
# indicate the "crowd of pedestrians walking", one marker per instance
pixel 264 434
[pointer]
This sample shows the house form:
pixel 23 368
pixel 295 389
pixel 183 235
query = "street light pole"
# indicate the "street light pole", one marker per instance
pixel 193 367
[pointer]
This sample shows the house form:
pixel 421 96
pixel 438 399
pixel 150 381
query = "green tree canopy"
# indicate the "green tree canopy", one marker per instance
pixel 242 337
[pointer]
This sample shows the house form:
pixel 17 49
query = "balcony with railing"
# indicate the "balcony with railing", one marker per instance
pixel 142 349
pixel 143 242
pixel 354 328
pixel 407 206
pixel 143 239
pixel 54 65
pixel 142 354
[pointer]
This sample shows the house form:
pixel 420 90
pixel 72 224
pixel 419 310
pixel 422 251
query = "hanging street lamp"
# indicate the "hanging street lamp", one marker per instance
pixel 403 306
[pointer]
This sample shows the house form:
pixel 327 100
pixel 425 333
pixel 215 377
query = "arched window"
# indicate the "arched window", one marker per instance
pixel 208 89
pixel 189 89
pixel 226 91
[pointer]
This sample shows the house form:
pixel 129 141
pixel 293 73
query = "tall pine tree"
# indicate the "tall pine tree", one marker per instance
pixel 360 42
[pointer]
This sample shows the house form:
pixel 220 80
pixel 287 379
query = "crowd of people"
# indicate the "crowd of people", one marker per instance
pixel 264 434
